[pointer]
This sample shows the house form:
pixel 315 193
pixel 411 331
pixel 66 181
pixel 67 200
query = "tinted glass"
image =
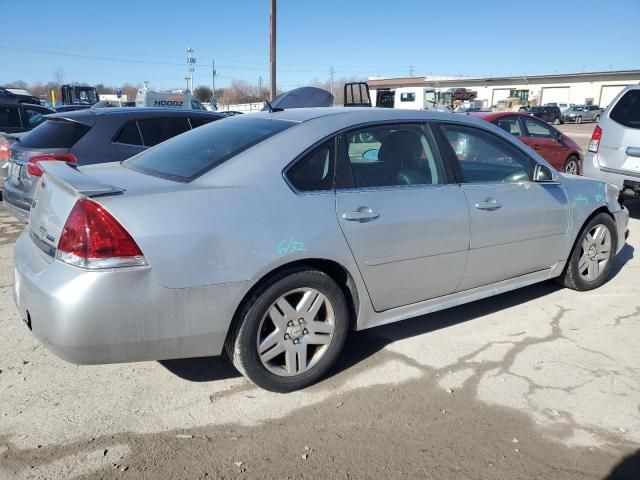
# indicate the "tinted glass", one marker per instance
pixel 190 155
pixel 486 158
pixel 9 117
pixel 315 170
pixel 54 134
pixel 627 110
pixel 537 129
pixel 198 122
pixel 130 135
pixel 394 155
pixel 35 116
pixel 509 125
pixel 157 130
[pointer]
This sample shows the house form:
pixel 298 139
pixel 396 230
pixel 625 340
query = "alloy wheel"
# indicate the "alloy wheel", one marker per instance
pixel 595 252
pixel 571 167
pixel 295 332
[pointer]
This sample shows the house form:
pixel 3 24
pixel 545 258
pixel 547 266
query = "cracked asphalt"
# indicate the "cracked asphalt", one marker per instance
pixel 542 382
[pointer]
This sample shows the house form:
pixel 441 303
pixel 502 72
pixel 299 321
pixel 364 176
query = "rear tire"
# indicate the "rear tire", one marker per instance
pixel 283 343
pixel 572 166
pixel 597 119
pixel 556 121
pixel 591 259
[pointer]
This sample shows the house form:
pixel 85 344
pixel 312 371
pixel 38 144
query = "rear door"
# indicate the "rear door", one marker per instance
pixel 157 130
pixel 620 144
pixel 544 139
pixel 517 226
pixel 127 141
pixel 405 221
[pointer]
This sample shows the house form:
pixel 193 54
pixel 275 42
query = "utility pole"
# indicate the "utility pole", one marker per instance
pixel 331 72
pixel 260 86
pixel 411 70
pixel 272 50
pixel 191 61
pixel 213 77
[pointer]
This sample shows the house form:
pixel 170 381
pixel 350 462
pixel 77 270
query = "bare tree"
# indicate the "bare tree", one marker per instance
pixel 203 93
pixel 59 76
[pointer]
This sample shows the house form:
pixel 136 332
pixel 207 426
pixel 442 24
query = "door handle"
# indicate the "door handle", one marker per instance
pixel 362 214
pixel 633 151
pixel 488 204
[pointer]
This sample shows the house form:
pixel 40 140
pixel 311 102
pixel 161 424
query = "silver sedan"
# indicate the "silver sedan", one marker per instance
pixel 272 235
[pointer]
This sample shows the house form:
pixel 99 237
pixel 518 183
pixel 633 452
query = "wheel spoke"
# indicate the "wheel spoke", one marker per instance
pixel 603 255
pixel 273 353
pixel 270 341
pixel 286 308
pixel 277 318
pixel 316 339
pixel 599 234
pixel 321 327
pixel 594 269
pixel 290 359
pixel 308 300
pixel 582 264
pixel 302 357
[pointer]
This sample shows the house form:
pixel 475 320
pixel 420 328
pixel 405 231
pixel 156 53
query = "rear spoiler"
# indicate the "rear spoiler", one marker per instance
pixel 69 177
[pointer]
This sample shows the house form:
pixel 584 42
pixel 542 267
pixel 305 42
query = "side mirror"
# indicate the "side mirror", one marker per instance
pixel 542 173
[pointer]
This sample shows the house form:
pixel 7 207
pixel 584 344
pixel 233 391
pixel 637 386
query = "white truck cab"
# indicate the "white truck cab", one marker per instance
pixel 183 101
pixel 410 98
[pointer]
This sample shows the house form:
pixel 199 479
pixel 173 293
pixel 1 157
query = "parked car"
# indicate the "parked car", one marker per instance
pixel 15 95
pixel 562 106
pixel 256 235
pixel 582 113
pixel 614 151
pixel 70 108
pixel 90 136
pixel 548 114
pixel 556 148
pixel 15 119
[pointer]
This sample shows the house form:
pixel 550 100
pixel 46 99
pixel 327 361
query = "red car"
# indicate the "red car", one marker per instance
pixel 555 147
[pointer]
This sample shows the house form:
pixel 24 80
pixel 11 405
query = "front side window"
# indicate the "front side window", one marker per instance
pixel 407 97
pixel 388 155
pixel 188 156
pixel 314 171
pixel 537 129
pixel 9 117
pixel 627 111
pixel 510 125
pixel 157 130
pixel 486 158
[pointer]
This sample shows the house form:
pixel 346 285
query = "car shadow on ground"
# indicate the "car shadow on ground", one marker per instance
pixel 627 469
pixel 634 208
pixel 364 344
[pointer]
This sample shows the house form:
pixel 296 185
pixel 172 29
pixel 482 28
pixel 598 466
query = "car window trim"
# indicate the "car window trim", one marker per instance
pixel 121 129
pixel 510 141
pixel 344 172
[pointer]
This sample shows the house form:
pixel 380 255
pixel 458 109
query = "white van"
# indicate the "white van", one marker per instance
pixel 614 151
pixel 184 101
pixel 409 98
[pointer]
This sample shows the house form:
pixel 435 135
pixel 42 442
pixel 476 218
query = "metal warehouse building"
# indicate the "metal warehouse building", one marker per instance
pixel 597 88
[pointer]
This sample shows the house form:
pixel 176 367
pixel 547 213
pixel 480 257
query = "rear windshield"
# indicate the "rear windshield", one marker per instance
pixel 191 154
pixel 54 134
pixel 627 110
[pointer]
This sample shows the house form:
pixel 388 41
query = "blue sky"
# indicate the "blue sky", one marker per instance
pixel 115 42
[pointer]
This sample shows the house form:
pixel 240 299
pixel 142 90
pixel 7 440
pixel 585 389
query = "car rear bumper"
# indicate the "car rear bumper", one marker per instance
pixel 118 315
pixel 627 182
pixel 16 202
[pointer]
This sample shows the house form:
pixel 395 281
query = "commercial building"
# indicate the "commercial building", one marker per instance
pixel 597 88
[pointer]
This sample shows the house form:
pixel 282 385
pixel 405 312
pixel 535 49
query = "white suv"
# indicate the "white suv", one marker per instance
pixel 614 151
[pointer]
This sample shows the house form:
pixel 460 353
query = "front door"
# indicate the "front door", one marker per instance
pixel 517 226
pixel 544 139
pixel 405 222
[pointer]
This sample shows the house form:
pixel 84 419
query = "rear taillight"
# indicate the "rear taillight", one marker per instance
pixel 92 238
pixel 36 171
pixel 594 145
pixel 4 150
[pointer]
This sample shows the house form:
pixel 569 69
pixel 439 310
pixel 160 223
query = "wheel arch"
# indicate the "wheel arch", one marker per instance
pixel 333 269
pixel 597 211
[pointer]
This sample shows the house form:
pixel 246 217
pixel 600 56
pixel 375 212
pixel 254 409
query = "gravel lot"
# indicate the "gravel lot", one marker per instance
pixel 538 383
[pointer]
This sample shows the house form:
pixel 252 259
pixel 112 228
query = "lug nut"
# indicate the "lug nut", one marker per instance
pixel 296 341
pixel 286 336
pixel 305 331
pixel 290 323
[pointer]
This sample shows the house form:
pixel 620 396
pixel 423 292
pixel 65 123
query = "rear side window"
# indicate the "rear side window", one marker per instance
pixel 315 171
pixel 55 134
pixel 130 135
pixel 407 97
pixel 9 117
pixel 190 155
pixel 627 111
pixel 157 130
pixel 198 122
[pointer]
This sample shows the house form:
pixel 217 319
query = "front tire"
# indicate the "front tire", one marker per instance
pixel 579 120
pixel 591 260
pixel 556 121
pixel 597 119
pixel 290 331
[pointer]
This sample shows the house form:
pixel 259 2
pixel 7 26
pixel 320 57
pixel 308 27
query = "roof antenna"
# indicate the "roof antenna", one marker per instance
pixel 272 109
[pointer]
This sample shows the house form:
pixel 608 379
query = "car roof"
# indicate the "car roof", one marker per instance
pixel 13 103
pixel 140 112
